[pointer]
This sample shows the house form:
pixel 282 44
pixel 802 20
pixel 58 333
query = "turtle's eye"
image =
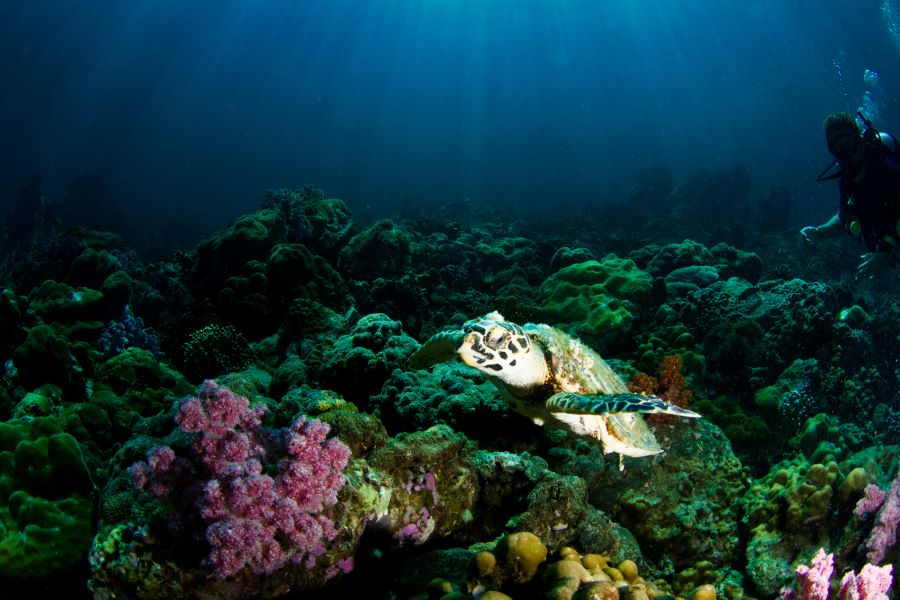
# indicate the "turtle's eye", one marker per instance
pixel 496 338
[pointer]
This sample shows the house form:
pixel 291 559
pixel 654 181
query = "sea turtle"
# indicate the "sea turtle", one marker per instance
pixel 554 379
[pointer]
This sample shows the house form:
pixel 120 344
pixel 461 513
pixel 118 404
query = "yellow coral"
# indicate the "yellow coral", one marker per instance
pixel 331 401
pixel 484 563
pixel 439 588
pixel 802 491
pixel 494 595
pixel 567 569
pixel 704 592
pixel 565 576
pixel 817 475
pixel 599 590
pixel 695 577
pixel 853 484
pixel 569 553
pixel 521 552
pixel 595 562
pixel 629 570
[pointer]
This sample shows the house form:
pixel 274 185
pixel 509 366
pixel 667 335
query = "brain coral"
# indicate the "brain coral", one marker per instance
pixel 45 505
pixel 382 250
pixel 596 300
pixel 785 514
pixel 686 507
pixel 450 394
pixel 357 364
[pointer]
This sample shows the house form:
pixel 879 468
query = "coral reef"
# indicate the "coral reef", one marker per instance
pixel 321 463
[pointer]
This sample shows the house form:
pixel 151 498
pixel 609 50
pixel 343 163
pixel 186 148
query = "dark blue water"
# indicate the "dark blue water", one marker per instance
pixel 184 113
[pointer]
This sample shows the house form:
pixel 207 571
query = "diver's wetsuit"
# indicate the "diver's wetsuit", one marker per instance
pixel 871 198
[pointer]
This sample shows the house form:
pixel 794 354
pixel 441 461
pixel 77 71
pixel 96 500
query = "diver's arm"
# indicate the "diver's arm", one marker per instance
pixel 829 229
pixel 833 227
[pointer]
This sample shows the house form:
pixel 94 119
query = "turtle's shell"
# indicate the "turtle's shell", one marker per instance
pixel 574 367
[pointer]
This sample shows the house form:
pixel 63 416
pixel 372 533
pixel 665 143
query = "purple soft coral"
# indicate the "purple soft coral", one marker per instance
pixel 872 583
pixel 253 519
pixel 871 501
pixel 884 532
pixel 814 581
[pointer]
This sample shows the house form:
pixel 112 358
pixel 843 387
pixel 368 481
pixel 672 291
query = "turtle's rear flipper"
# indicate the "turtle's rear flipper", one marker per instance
pixel 441 347
pixel 598 404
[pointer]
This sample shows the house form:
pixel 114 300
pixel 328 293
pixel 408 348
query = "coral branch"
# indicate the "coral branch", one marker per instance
pixel 670 386
pixel 814 581
pixel 252 518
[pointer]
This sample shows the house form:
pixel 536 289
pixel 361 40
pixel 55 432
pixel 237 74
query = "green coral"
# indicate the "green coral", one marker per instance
pixel 249 237
pixel 382 250
pixel 243 300
pixel 450 393
pixel 520 554
pixel 58 302
pixel 39 403
pixel 726 260
pixel 696 518
pixel 136 368
pixel 749 433
pixel 790 399
pixel 794 494
pixel 12 323
pixel 685 280
pixel 357 364
pixel 295 272
pixel 305 318
pixel 854 390
pixel 802 502
pixel 735 353
pixel 675 256
pixel 92 267
pixel 125 550
pixel 702 573
pixel 823 438
pixel 666 340
pixel 329 221
pixel 565 256
pixel 596 300
pixel 498 251
pixel 45 357
pixel 45 503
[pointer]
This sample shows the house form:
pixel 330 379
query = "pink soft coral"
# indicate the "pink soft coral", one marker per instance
pixel 872 583
pixel 870 502
pixel 884 532
pixel 252 518
pixel 813 582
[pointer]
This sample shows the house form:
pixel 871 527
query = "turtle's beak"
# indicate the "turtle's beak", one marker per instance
pixel 471 350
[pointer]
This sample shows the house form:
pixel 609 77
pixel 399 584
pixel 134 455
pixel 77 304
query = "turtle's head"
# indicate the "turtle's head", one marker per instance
pixel 502 351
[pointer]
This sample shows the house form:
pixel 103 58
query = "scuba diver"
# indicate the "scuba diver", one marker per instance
pixel 869 182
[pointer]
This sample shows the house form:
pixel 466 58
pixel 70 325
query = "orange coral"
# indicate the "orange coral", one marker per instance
pixel 669 386
pixel 643 384
pixel 672 387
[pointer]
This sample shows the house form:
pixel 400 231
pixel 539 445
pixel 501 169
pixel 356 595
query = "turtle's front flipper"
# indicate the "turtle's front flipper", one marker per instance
pixel 441 347
pixel 597 404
